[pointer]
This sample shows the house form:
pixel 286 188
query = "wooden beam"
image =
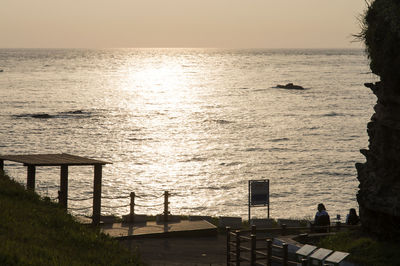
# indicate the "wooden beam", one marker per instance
pixel 63 200
pixel 30 183
pixel 97 194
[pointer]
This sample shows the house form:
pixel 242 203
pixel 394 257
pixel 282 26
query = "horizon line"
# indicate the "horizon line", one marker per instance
pixel 179 47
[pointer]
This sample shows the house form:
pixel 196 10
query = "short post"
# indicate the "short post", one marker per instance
pixel 237 248
pixel 269 252
pixel 63 199
pixel 283 226
pixel 312 229
pixel 338 225
pixel 228 245
pixel 30 183
pixel 97 194
pixel 304 262
pixel 165 206
pixel 253 250
pixel 253 230
pixel 285 254
pixel 132 209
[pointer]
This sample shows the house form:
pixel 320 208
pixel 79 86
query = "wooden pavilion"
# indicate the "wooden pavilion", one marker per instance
pixel 63 160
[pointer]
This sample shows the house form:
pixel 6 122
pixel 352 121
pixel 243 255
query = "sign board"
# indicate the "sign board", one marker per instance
pixel 258 194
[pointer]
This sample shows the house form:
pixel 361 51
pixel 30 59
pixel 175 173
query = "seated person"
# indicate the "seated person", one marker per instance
pixel 322 217
pixel 352 218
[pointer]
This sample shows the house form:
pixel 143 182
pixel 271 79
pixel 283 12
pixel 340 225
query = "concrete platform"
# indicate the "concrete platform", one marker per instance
pixel 159 230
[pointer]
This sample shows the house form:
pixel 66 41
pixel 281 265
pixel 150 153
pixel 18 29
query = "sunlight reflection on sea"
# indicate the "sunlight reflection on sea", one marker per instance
pixel 196 122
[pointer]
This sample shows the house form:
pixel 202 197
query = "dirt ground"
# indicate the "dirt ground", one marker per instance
pixel 190 251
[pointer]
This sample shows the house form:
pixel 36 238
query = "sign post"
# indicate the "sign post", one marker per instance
pixel 258 194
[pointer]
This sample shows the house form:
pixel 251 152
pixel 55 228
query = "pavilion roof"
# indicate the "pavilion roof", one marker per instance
pixel 51 159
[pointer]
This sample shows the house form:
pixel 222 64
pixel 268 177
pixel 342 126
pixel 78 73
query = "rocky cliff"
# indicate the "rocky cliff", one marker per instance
pixel 379 176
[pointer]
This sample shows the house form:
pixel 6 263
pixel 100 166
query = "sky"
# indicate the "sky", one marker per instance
pixel 180 23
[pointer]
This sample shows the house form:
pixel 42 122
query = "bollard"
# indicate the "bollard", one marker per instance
pixel 132 210
pixel 165 206
pixel 283 229
pixel 253 250
pixel 338 224
pixel 253 230
pixel 237 248
pixel 285 254
pixel 228 245
pixel 269 252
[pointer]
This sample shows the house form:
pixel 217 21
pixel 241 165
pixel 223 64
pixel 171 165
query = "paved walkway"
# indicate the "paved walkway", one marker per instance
pixel 176 251
pixel 154 229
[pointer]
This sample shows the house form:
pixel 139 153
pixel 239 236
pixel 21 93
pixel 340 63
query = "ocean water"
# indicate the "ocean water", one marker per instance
pixel 199 123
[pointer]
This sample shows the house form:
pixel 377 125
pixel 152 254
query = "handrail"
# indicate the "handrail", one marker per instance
pixel 121 206
pixel 112 198
pixel 240 246
pixel 153 205
pixel 78 209
pixel 132 203
pixel 80 199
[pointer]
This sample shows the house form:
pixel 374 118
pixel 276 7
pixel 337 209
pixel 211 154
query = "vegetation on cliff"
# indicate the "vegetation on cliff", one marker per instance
pixel 363 249
pixel 381 34
pixel 34 231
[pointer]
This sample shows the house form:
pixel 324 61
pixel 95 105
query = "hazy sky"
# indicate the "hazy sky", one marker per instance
pixel 180 23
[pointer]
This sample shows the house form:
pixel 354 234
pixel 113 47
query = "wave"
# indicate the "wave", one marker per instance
pixel 255 149
pixel 195 159
pixel 279 140
pixel 333 114
pixel 219 121
pixel 230 164
pixel 139 139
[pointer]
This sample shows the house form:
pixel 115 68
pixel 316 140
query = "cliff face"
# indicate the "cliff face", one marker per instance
pixel 379 193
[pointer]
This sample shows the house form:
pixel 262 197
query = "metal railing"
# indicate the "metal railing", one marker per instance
pixel 243 246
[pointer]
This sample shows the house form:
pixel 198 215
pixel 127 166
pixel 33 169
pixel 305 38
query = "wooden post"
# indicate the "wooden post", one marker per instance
pixel 253 250
pixel 228 245
pixel 166 206
pixel 237 248
pixel 283 229
pixel 269 252
pixel 249 201
pixel 2 165
pixel 63 199
pixel 253 230
pixel 132 210
pixel 285 254
pixel 30 183
pixel 338 224
pixel 97 194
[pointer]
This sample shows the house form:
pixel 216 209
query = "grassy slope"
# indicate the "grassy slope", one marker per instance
pixel 364 249
pixel 37 232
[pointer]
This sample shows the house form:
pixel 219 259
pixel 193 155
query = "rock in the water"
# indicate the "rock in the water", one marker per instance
pixel 290 86
pixel 41 116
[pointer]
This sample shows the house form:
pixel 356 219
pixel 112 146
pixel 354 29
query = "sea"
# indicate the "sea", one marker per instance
pixel 198 123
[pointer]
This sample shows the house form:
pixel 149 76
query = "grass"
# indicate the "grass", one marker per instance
pixel 363 249
pixel 34 231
